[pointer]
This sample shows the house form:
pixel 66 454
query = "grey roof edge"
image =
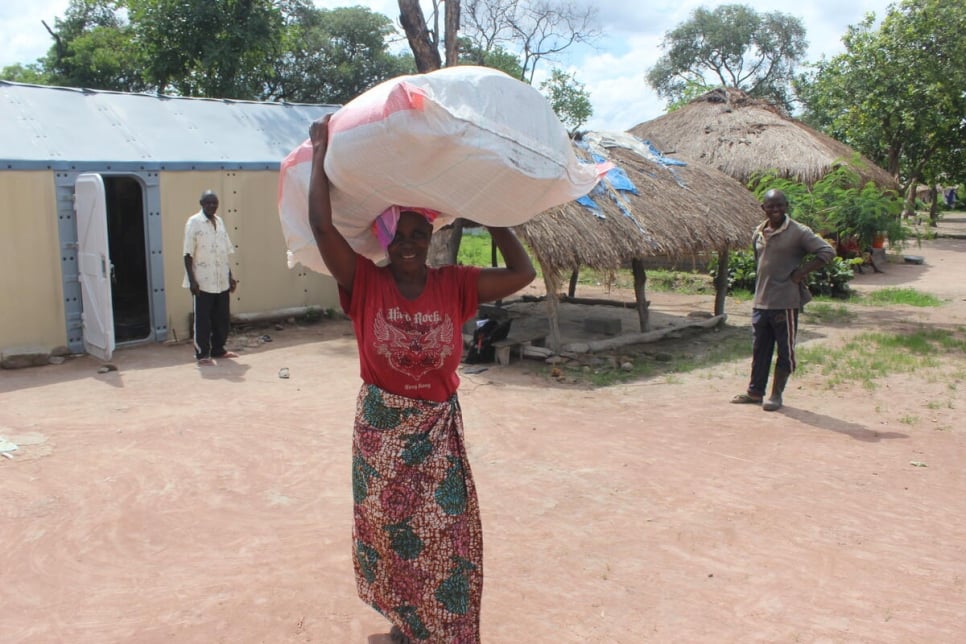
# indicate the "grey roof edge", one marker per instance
pixel 55 127
pixel 132 166
pixel 175 97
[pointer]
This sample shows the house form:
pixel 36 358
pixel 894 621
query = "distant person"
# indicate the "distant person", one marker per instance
pixel 208 275
pixel 417 539
pixel 950 197
pixel 780 245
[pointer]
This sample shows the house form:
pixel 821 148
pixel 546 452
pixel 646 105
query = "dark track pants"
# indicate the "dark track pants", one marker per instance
pixel 211 324
pixel 772 328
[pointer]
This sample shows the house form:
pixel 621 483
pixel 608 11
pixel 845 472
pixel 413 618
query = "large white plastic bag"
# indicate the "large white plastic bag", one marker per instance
pixel 468 141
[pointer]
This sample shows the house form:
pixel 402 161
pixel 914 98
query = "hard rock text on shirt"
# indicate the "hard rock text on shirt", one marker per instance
pixel 395 315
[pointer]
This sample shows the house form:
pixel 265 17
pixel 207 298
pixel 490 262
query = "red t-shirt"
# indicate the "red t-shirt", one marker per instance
pixel 411 348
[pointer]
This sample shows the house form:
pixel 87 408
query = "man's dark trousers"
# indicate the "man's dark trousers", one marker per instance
pixel 211 324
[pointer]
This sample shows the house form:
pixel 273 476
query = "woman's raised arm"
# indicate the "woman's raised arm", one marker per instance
pixel 497 283
pixel 336 252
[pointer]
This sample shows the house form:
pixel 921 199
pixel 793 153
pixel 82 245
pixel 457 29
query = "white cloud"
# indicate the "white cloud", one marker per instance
pixel 23 37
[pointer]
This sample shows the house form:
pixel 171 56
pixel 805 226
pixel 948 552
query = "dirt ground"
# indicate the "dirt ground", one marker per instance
pixel 166 503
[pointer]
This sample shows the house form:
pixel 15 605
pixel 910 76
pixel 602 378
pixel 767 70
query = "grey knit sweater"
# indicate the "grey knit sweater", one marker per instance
pixel 777 256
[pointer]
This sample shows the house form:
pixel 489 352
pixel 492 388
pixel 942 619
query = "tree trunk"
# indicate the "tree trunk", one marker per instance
pixel 721 282
pixel 445 244
pixel 452 25
pixel 414 23
pixel 934 207
pixel 640 293
pixel 572 287
pixel 909 206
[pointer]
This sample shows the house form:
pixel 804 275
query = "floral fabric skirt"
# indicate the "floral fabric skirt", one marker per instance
pixel 417 537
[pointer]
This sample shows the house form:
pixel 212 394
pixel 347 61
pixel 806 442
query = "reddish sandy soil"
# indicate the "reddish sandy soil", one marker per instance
pixel 166 503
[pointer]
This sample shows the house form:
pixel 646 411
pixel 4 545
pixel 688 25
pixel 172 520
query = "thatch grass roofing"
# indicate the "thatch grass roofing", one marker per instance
pixel 678 211
pixel 741 136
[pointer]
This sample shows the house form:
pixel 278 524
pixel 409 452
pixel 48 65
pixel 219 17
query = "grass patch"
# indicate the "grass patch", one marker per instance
pixel 892 296
pixel 871 356
pixel 475 248
pixel 658 280
pixel 686 283
pixel 607 279
pixel 828 313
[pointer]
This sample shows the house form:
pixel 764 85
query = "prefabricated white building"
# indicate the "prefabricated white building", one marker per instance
pixel 95 189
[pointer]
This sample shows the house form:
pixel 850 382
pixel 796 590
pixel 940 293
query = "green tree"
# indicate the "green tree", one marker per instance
pixel 840 205
pixel 30 73
pixel 222 48
pixel 244 49
pixel 689 91
pixel 496 58
pixel 568 98
pixel 731 46
pixel 103 57
pixel 896 94
pixel 92 48
pixel 334 55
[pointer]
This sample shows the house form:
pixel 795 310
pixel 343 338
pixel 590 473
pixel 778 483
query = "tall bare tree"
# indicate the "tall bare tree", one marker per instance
pixel 538 29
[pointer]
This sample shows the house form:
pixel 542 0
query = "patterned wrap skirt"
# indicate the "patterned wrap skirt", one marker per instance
pixel 417 536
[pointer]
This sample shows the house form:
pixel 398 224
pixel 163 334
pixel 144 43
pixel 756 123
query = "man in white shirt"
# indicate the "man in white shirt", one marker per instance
pixel 208 275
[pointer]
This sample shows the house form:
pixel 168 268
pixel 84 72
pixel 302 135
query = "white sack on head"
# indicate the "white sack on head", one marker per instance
pixel 467 141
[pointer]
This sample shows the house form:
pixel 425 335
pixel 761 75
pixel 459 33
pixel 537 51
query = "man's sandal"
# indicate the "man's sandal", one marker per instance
pixel 745 399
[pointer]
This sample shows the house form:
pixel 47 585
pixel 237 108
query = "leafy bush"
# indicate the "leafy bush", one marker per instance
pixel 741 270
pixel 832 279
pixel 841 206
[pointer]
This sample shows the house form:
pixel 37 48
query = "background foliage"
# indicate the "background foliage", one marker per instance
pixel 840 206
pixel 896 94
pixel 731 46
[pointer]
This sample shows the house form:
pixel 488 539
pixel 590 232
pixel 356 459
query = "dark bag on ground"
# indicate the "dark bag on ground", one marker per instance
pixel 487 332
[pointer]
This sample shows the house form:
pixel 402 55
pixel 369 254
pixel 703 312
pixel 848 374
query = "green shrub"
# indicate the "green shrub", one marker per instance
pixel 831 280
pixel 840 205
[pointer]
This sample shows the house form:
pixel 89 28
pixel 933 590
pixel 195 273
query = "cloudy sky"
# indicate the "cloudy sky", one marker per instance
pixel 613 72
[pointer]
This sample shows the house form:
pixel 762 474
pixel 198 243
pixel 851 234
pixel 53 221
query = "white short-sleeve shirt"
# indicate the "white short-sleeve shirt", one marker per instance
pixel 209 247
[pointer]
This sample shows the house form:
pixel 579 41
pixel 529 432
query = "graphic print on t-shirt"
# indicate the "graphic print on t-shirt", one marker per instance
pixel 413 344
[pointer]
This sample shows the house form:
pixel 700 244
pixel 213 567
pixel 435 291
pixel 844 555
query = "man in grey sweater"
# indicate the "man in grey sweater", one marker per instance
pixel 780 244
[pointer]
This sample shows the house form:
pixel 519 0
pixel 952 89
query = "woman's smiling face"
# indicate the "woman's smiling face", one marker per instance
pixel 410 246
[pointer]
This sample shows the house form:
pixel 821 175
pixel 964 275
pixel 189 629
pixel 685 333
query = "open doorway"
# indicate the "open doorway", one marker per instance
pixel 127 245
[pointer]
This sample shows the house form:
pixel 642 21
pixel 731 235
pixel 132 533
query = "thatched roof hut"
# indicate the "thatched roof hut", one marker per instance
pixel 648 205
pixel 742 136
